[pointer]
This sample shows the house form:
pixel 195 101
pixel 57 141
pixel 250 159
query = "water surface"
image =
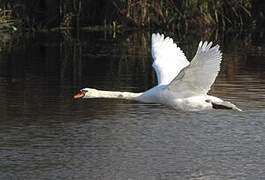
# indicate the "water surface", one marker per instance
pixel 46 134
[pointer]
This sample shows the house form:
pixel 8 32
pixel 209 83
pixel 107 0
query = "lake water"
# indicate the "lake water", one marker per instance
pixel 46 134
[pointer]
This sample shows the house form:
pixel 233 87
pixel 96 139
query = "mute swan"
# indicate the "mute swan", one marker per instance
pixel 181 85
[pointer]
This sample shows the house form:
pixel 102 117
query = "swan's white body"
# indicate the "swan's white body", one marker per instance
pixel 181 85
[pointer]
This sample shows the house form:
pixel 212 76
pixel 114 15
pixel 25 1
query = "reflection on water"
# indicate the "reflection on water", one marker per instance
pixel 46 134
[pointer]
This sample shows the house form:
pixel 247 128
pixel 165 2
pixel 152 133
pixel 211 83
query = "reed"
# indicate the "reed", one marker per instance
pixel 167 14
pixel 186 13
pixel 8 26
pixel 7 22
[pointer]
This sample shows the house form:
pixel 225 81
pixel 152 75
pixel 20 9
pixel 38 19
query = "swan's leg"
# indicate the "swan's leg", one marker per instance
pixel 224 105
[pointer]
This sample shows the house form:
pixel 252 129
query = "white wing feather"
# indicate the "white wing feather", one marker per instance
pixel 169 59
pixel 198 77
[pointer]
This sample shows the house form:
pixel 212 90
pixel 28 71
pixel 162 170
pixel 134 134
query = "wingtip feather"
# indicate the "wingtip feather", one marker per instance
pixel 200 44
pixel 169 59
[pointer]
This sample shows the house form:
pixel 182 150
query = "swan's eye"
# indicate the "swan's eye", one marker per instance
pixel 83 91
pixel 208 101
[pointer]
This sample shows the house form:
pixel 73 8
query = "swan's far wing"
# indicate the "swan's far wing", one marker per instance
pixel 199 76
pixel 168 58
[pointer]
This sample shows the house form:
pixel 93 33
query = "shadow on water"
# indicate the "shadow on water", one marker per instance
pixel 45 133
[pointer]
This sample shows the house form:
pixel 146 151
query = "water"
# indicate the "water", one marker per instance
pixel 46 134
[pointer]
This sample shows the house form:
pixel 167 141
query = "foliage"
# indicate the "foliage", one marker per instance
pixel 7 27
pixel 173 14
pixel 7 22
pixel 218 13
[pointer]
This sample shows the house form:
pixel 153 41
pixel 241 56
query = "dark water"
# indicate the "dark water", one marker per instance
pixel 46 134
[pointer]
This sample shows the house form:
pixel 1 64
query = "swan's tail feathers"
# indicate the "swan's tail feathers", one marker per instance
pixel 225 105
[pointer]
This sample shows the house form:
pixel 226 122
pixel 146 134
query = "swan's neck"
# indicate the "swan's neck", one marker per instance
pixel 113 95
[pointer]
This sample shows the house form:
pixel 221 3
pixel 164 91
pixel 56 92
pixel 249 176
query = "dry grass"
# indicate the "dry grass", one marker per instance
pixel 186 13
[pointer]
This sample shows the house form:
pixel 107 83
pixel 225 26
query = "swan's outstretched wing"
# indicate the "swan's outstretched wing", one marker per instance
pixel 198 77
pixel 169 59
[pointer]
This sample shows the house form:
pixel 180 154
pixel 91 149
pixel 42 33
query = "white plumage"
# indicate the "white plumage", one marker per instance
pixel 201 73
pixel 169 59
pixel 181 85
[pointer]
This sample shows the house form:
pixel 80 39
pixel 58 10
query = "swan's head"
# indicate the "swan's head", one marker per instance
pixel 87 93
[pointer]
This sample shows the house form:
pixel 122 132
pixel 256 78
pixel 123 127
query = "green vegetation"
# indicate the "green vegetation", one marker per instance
pixel 123 15
pixel 8 26
pixel 97 15
pixel 188 13
pixel 7 22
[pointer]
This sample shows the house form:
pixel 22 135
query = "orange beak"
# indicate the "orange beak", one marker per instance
pixel 80 95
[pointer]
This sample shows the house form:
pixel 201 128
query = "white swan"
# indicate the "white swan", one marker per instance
pixel 181 85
